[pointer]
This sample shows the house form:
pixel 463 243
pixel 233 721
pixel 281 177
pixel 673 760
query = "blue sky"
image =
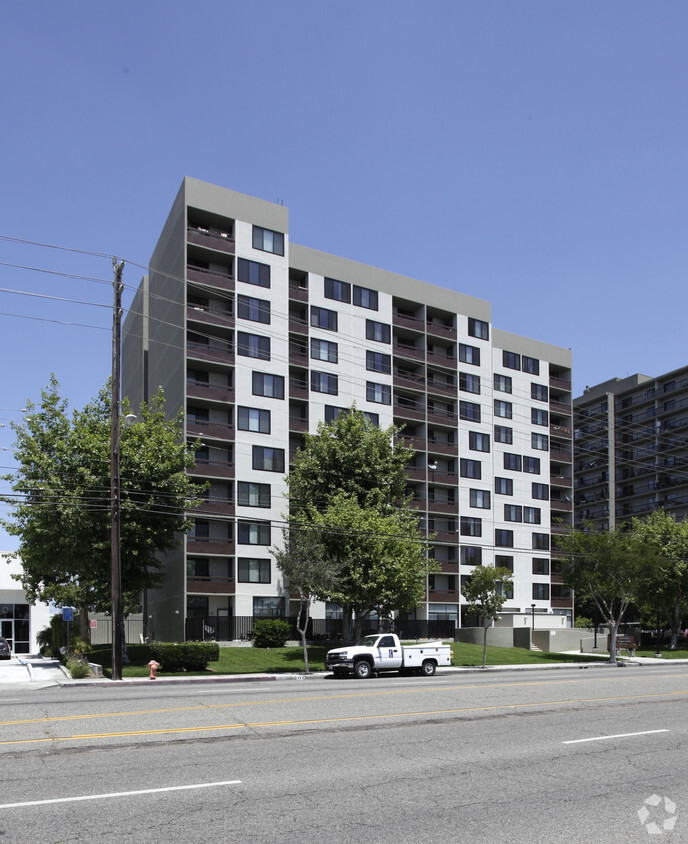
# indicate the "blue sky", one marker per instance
pixel 532 153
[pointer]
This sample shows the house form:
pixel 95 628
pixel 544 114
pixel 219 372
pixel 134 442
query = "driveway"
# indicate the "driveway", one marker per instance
pixel 30 669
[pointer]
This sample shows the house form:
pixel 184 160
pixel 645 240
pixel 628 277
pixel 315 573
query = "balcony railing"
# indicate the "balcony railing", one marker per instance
pixel 559 383
pixel 439 329
pixel 211 238
pixel 442 359
pixel 215 354
pixel 298 325
pixel 210 316
pixel 212 469
pixel 442 447
pixel 212 392
pixel 209 430
pixel 408 321
pixel 206 545
pixel 299 294
pixel 215 507
pixel 210 585
pixel 443 388
pixel 210 278
pixel 443 596
pixel 410 352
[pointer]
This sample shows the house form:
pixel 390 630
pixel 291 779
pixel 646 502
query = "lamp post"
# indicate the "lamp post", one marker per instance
pixel 532 607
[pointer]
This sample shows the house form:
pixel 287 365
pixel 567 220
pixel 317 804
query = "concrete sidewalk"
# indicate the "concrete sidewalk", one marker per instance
pixel 29 668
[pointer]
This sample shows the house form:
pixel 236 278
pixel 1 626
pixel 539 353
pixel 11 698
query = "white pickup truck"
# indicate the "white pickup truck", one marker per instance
pixel 384 652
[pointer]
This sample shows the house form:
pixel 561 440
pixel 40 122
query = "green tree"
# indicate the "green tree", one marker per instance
pixel 485 593
pixel 606 567
pixel 666 582
pixel 349 481
pixel 60 509
pixel 309 571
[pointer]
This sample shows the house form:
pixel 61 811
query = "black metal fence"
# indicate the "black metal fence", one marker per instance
pixel 221 628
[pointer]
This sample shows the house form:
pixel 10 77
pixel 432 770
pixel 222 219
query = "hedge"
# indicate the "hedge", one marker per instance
pixel 184 656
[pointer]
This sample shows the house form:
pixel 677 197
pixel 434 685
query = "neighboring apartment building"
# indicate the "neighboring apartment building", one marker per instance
pixel 631 449
pixel 259 339
pixel 20 622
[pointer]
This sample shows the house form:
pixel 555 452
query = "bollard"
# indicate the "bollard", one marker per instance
pixel 153 666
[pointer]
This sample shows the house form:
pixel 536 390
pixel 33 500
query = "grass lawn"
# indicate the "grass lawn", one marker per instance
pixel 280 660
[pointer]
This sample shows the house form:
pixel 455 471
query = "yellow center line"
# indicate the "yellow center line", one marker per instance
pixel 339 719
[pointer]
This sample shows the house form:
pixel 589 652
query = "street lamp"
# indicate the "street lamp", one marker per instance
pixel 532 607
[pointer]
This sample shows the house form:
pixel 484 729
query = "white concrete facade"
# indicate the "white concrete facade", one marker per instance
pixel 19 622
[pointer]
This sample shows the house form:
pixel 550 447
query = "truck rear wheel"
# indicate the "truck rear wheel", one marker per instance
pixel 428 668
pixel 363 670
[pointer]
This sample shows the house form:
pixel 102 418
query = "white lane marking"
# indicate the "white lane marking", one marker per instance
pixel 118 794
pixel 619 735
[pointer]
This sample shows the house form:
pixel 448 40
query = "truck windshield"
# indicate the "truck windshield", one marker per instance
pixel 368 641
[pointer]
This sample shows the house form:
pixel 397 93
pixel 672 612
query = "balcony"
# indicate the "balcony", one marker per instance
pixel 409 411
pixel 560 431
pixel 210 278
pixel 298 325
pixel 408 321
pixel 438 358
pixel 451 536
pixel 415 473
pixel 559 407
pixel 298 424
pixel 442 447
pixel 560 455
pixel 213 354
pixel 210 585
pixel 561 603
pixel 298 354
pixel 560 384
pixel 442 417
pixel 409 381
pixel 209 430
pixel 298 389
pixel 439 329
pixel 212 469
pixel 211 392
pixel 443 596
pixel 211 238
pixel 449 566
pixel 439 506
pixel 560 480
pixel 214 507
pixel 298 293
pixel 417 443
pixel 440 387
pixel 205 545
pixel 409 352
pixel 561 506
pixel 437 476
pixel 209 316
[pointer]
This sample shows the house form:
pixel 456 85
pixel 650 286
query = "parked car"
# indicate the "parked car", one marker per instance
pixel 5 652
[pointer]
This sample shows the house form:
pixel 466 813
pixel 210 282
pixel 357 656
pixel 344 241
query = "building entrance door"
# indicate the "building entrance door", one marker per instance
pixel 7 631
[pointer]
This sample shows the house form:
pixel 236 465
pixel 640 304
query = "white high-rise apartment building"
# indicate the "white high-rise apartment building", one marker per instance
pixel 259 339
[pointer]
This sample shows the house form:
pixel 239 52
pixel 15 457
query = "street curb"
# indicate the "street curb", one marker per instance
pixel 323 675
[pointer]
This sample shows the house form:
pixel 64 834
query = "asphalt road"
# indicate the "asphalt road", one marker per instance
pixel 532 756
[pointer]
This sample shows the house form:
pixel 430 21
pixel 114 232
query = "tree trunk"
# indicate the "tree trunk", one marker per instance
pixel 346 623
pixel 675 627
pixel 85 624
pixel 303 613
pixel 484 646
pixel 613 630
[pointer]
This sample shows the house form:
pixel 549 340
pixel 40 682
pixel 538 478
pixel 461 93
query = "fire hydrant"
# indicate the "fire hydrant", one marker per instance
pixel 153 666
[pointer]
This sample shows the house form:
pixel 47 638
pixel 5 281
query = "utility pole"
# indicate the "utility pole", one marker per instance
pixel 115 491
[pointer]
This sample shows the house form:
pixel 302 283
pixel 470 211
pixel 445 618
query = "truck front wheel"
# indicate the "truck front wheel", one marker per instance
pixel 428 668
pixel 363 670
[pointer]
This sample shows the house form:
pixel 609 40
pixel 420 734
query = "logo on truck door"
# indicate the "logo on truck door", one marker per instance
pixel 391 652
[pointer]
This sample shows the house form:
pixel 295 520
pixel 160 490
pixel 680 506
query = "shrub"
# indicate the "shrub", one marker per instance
pixel 582 621
pixel 271 633
pixel 78 670
pixel 184 656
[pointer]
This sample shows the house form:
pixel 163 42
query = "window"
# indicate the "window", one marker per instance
pixel 340 291
pixel 512 461
pixel 268 241
pixel 253 346
pixel 505 589
pixel 200 529
pixel 531 515
pixel 511 360
pixel 323 350
pixel 541 591
pixel 539 392
pixel 469 468
pixel 480 498
pixel 530 365
pixel 323 318
pixel 478 328
pixel 197 567
pixel 378 331
pixel 471 526
pixel 365 298
pixel 503 434
pixel 540 565
pixel 469 410
pixel 539 442
pixel 380 393
pixel 254 419
pixel 505 562
pixel 331 413
pixel 253 533
pixel 478 442
pixel 504 538
pixel 322 382
pixel 504 486
pixel 264 607
pixel 541 542
pixel 254 571
pixel 257 310
pixel 513 513
pixel 253 495
pixel 270 386
pixel 541 491
pixel 469 354
pixel 378 362
pixel 268 459
pixel 503 383
pixel 251 272
pixel 373 418
pixel 503 409
pixel 539 416
pixel 531 465
pixel 469 383
pixel 471 555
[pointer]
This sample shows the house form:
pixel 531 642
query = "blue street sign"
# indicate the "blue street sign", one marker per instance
pixel 67 614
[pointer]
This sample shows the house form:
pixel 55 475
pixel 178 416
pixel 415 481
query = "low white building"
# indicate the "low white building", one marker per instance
pixel 19 621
